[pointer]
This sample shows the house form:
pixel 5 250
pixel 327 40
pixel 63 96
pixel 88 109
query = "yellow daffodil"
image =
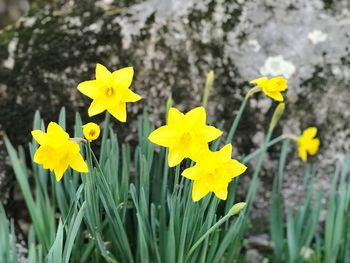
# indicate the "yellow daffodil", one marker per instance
pixel 110 91
pixel 307 143
pixel 272 87
pixel 186 135
pixel 91 131
pixel 57 151
pixel 213 172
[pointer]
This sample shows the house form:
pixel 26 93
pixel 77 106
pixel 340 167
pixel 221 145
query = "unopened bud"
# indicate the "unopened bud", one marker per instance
pixel 277 115
pixel 236 208
pixel 168 105
pixel 208 86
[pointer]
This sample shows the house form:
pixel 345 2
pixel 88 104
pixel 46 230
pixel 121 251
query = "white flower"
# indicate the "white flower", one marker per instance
pixel 276 66
pixel 317 36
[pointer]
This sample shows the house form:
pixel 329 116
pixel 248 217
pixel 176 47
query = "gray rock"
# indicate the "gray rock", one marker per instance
pixel 172 45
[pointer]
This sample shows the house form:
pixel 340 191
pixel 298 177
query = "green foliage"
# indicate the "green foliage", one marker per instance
pixel 8 249
pixel 300 235
pixel 131 207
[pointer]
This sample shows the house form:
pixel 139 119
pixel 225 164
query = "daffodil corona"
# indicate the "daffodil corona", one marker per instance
pixel 213 172
pixel 186 135
pixel 57 151
pixel 272 87
pixel 307 143
pixel 110 91
pixel 91 131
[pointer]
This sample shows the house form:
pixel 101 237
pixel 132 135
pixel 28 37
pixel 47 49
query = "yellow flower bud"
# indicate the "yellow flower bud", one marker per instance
pixel 91 131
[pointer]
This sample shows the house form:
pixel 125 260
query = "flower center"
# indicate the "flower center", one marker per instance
pixel 186 139
pixel 92 133
pixel 109 91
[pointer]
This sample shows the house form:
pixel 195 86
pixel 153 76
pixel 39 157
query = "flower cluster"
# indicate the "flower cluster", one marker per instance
pixel 306 142
pixel 187 136
pixel 109 91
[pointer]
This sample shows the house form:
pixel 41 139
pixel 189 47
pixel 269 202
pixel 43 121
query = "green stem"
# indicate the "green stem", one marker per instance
pixel 202 238
pixel 291 137
pixel 236 120
pixel 258 151
pixel 255 179
pixel 105 133
pixel 88 156
pixel 113 212
pixel 176 178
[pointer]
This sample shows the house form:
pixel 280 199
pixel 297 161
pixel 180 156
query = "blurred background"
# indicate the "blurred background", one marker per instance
pixel 11 10
pixel 48 47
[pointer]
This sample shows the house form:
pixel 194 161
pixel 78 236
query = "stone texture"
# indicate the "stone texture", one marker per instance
pixel 172 45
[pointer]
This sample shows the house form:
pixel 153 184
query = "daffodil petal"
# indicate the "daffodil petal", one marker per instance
pixel 103 75
pixel 96 108
pixel 209 133
pixel 163 136
pixel 39 136
pixel 196 116
pixel 119 111
pixel 196 150
pixel 276 84
pixel 77 163
pixel 275 95
pixel 175 117
pixel 90 88
pixel 225 152
pixel 60 169
pixel 235 168
pixel 259 81
pixel 302 153
pixel 53 127
pixel 38 155
pixel 313 146
pixel 175 157
pixel 130 96
pixel 221 193
pixel 192 173
pixel 46 156
pixel 310 132
pixel 123 77
pixel 55 130
pixel 199 190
